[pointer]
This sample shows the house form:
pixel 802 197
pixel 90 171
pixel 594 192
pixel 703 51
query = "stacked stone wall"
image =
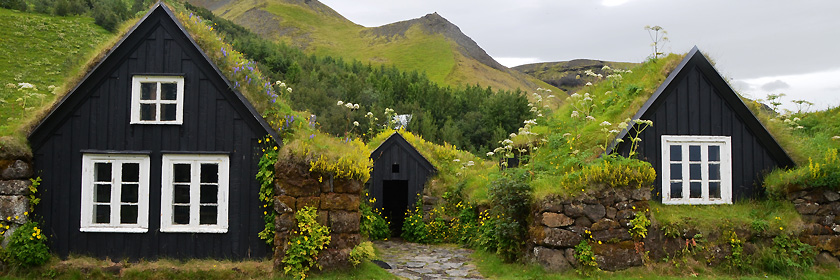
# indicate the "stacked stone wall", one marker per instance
pixel 820 210
pixel 14 195
pixel 561 224
pixel 337 201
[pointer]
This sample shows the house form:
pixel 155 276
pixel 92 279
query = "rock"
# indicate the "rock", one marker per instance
pixel 583 222
pixel 831 195
pixel 570 256
pixel 609 199
pixel 617 256
pixel 815 196
pixel 283 204
pixel 347 186
pixel 323 217
pixel 550 205
pixel 594 211
pixel 430 200
pixel 611 212
pixel 560 238
pixel 604 224
pixel 824 210
pixel 14 206
pixel 344 222
pixel 574 210
pixel 344 240
pixel 816 229
pixel 337 201
pixel 827 220
pixel 17 170
pixel 623 205
pixel 333 258
pixel 836 228
pixel 641 194
pixel 284 222
pixel 717 254
pixel 554 220
pixel 627 214
pixel 551 259
pixel 796 195
pixel 826 259
pixel 295 180
pixel 311 201
pixel 611 235
pixel 15 187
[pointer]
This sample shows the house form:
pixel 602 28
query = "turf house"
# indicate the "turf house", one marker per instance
pixel 706 146
pixel 152 154
pixel 397 179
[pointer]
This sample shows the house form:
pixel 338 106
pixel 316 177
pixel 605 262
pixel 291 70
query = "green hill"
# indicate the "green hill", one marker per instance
pixel 570 75
pixel 42 51
pixel 429 44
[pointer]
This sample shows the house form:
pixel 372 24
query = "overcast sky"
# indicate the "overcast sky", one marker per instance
pixel 767 46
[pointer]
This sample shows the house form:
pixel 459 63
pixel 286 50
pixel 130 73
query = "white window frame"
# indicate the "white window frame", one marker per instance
pixel 136 94
pixel 88 181
pixel 167 196
pixel 724 142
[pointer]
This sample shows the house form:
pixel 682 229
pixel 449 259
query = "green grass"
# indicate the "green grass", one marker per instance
pixel 44 51
pixel 768 216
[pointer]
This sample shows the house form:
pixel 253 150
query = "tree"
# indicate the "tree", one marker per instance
pixel 659 36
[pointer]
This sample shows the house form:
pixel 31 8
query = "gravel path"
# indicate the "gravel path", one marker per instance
pixel 422 261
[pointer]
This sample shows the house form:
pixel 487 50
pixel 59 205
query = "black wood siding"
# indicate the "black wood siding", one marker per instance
pixel 693 104
pixel 95 116
pixel 413 167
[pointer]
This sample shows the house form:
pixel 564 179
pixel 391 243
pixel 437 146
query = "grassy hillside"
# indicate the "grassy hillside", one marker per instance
pixel 43 51
pixel 408 45
pixel 570 75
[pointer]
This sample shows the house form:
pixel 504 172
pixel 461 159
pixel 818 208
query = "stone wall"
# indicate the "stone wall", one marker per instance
pixel 337 201
pixel 14 195
pixel 560 225
pixel 820 210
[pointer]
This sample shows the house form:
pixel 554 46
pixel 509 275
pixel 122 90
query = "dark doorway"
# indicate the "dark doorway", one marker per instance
pixel 395 203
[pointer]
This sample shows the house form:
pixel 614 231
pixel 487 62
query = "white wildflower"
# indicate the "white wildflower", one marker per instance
pixel 356 106
pixel 289 90
pixel 622 125
pixel 512 135
pixel 470 163
pixel 567 134
pixel 575 114
pixel 369 114
pixel 605 123
pixel 539 115
pixel 590 118
pixel 588 83
pixel 340 103
pixel 507 141
pixel 796 119
pixel 836 137
pixel 551 96
pixel 457 160
pixel 349 105
pixel 355 123
pixel 575 95
pixel 490 154
pixel 614 131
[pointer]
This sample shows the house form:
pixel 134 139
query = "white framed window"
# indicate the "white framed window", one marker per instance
pixel 115 193
pixel 696 169
pixel 194 193
pixel 157 99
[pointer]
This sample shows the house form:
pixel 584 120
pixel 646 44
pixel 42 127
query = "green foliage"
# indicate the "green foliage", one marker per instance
pixel 27 246
pixel 265 176
pixel 19 5
pixel 503 227
pixel 736 259
pixel 821 173
pixel 585 257
pixel 414 228
pixel 777 215
pixel 787 256
pixel 307 241
pixel 362 253
pixel 372 224
pixel 640 226
pixel 33 191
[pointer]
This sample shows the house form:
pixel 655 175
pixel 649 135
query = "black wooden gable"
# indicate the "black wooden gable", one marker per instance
pixel 397 141
pixel 94 118
pixel 160 30
pixel 696 100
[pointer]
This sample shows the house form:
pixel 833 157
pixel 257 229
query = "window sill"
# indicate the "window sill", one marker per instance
pixel 114 229
pixel 695 202
pixel 193 230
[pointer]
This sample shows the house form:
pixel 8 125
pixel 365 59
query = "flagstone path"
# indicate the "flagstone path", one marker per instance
pixel 422 261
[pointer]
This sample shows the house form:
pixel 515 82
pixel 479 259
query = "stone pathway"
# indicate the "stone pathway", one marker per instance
pixel 422 261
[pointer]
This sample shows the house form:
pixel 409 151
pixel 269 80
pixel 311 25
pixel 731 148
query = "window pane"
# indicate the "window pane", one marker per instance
pixel 695 190
pixel 676 171
pixel 714 189
pixel 209 173
pixel 694 171
pixel 167 112
pixel 209 194
pixel 694 153
pixel 102 172
pixel 102 214
pixel 676 153
pixel 182 194
pixel 168 91
pixel 129 193
pixel 181 215
pixel 147 112
pixel 395 168
pixel 676 190
pixel 102 193
pixel 714 153
pixel 207 215
pixel 128 214
pixel 714 171
pixel 148 91
pixel 131 172
pixel 181 173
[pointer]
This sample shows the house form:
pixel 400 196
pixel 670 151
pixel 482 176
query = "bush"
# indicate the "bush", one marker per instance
pixel 362 253
pixel 414 229
pixel 821 173
pixel 19 5
pixel 372 224
pixel 311 237
pixel 787 256
pixel 109 14
pixel 27 246
pixel 502 229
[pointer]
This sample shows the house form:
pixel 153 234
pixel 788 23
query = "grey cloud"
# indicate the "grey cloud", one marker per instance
pixel 775 85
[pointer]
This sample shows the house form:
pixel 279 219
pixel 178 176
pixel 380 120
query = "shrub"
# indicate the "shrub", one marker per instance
pixel 362 253
pixel 414 229
pixel 372 224
pixel 502 229
pixel 265 175
pixel 27 246
pixel 585 257
pixel 19 5
pixel 788 255
pixel 821 173
pixel 310 238
pixel 640 226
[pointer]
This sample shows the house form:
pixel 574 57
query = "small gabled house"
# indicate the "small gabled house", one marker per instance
pixel 399 174
pixel 705 144
pixel 153 154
